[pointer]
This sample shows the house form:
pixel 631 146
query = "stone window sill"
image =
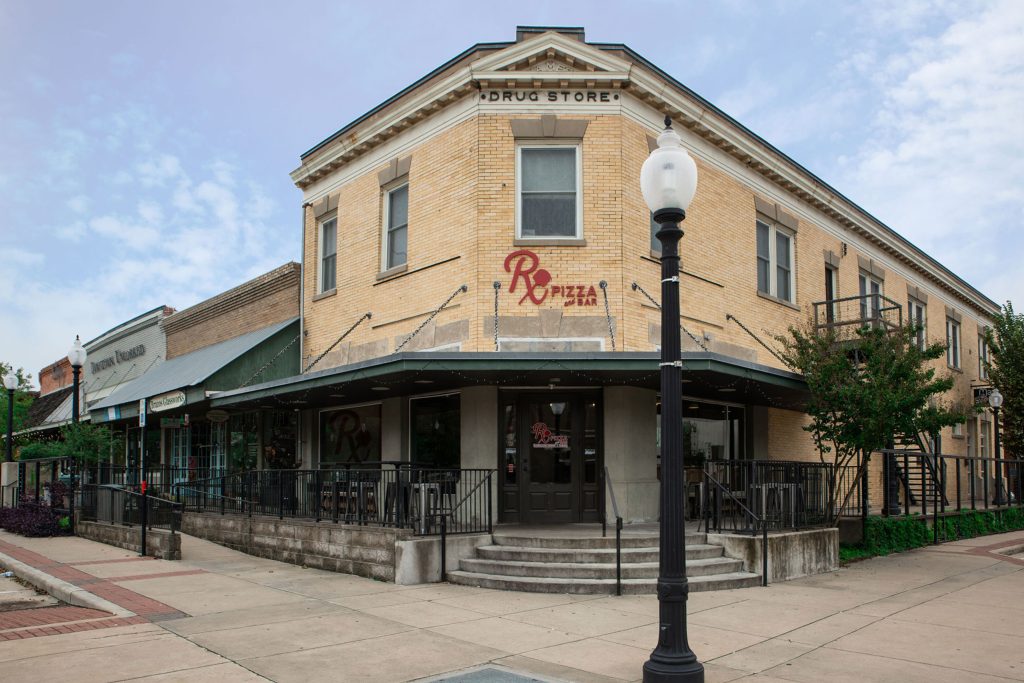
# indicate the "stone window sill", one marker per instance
pixel 787 304
pixel 549 242
pixel 392 272
pixel 325 294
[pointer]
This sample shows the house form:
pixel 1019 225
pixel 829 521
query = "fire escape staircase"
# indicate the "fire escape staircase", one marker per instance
pixel 918 474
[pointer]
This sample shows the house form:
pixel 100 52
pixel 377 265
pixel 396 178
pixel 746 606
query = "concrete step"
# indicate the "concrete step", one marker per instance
pixel 600 555
pixel 533 584
pixel 582 542
pixel 593 570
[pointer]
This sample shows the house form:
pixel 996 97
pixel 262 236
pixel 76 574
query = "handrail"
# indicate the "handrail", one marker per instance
pixel 444 515
pixel 618 532
pixel 756 519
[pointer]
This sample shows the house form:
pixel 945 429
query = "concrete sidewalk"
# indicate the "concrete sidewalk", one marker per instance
pixel 949 613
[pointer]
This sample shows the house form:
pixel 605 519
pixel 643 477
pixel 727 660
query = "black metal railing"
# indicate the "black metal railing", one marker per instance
pixel 454 520
pixel 610 493
pixel 723 504
pixel 934 484
pixel 853 312
pixel 159 478
pixel 387 494
pixel 110 504
pixel 779 494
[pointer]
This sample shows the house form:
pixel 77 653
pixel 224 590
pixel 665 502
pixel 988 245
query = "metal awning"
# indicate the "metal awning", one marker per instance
pixel 705 375
pixel 189 370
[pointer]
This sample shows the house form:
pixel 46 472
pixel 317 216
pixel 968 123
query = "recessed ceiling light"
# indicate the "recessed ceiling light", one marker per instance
pixel 686 381
pixel 555 380
pixel 379 389
pixel 727 390
pixel 693 406
pixel 423 381
pixel 337 395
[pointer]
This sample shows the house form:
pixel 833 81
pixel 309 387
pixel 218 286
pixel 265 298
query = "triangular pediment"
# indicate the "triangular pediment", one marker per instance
pixel 550 53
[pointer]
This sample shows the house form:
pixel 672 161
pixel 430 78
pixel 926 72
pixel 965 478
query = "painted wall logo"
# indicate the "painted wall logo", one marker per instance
pixel 543 437
pixel 537 282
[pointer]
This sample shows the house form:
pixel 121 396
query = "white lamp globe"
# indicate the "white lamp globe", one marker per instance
pixel 10 381
pixel 668 178
pixel 995 399
pixel 76 356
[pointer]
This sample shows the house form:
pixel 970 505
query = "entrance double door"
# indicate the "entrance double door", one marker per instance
pixel 551 459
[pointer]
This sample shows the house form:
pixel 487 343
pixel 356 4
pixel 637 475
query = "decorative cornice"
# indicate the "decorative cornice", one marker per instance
pixel 509 68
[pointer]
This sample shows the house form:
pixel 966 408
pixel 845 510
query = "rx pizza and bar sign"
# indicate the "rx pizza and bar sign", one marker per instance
pixel 537 285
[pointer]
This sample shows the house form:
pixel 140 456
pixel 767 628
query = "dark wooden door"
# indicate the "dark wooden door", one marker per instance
pixel 551 454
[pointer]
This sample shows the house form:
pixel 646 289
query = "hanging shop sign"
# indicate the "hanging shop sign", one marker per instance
pixel 217 416
pixel 172 399
pixel 543 437
pixel 142 412
pixel 538 285
pixel 981 395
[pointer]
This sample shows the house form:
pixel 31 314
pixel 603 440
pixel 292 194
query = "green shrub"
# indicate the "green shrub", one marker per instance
pixel 886 535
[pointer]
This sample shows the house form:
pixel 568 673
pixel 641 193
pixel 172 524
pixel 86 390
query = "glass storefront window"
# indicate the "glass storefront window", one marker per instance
pixel 711 431
pixel 280 436
pixel 243 437
pixel 509 445
pixel 350 436
pixel 435 425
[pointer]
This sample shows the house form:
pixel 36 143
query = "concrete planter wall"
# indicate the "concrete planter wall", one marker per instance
pixel 790 555
pixel 363 551
pixel 160 543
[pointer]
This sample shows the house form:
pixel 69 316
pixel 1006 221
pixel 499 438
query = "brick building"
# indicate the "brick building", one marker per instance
pixel 479 265
pixel 245 335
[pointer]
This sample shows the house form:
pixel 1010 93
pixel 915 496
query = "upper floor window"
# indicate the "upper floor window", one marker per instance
pixel 916 316
pixel 549 192
pixel 774 260
pixel 396 227
pixel 952 343
pixel 328 254
pixel 831 292
pixel 982 357
pixel 871 291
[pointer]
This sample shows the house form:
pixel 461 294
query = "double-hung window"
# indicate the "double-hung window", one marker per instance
pixel 831 293
pixel 328 254
pixel 549 192
pixel 774 260
pixel 952 343
pixel 982 357
pixel 871 291
pixel 396 227
pixel 917 317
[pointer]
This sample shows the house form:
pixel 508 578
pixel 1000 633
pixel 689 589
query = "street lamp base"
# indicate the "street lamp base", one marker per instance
pixel 673 672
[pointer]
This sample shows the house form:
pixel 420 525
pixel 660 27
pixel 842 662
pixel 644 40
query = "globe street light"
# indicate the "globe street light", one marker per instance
pixel 995 399
pixel 10 383
pixel 76 356
pixel 668 181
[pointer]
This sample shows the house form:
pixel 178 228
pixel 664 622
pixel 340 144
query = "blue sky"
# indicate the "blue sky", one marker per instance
pixel 145 147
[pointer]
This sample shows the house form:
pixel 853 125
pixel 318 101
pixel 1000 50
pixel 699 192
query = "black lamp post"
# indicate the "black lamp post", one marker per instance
pixel 10 383
pixel 995 399
pixel 668 181
pixel 76 356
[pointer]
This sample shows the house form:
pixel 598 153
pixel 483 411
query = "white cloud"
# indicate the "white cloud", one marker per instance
pixel 944 162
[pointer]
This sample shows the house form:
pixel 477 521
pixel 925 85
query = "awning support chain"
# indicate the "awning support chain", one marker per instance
pixel 365 316
pixel 440 308
pixel 266 366
pixel 730 316
pixel 699 342
pixel 607 313
pixel 497 288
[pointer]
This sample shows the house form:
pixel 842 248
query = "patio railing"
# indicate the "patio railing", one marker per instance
pixel 387 494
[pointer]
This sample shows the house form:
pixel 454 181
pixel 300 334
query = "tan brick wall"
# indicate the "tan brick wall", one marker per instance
pixel 269 299
pixel 462 203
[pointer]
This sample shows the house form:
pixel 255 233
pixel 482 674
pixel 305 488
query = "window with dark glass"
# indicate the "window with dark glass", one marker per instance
pixel 280 438
pixel 870 298
pixel 916 316
pixel 831 292
pixel 774 260
pixel 350 436
pixel 328 254
pixel 435 427
pixel 548 202
pixel 509 443
pixel 396 236
pixel 952 343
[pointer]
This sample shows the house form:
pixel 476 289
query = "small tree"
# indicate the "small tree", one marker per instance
pixel 1006 370
pixel 867 387
pixel 90 443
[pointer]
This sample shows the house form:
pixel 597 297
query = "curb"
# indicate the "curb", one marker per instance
pixel 60 589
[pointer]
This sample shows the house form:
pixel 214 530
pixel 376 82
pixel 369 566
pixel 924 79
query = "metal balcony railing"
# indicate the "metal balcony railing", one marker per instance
pixel 854 312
